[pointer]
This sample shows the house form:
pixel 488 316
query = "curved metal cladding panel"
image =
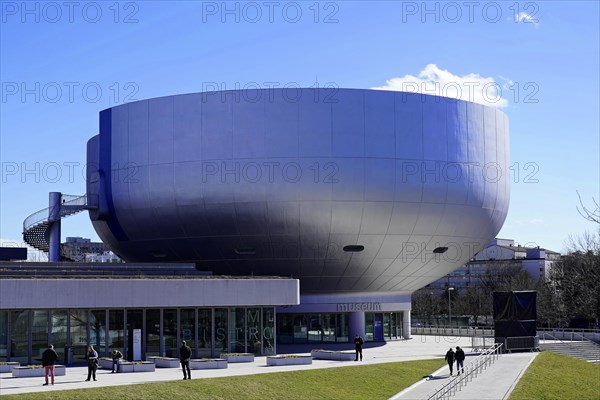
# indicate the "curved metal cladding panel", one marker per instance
pixel 279 182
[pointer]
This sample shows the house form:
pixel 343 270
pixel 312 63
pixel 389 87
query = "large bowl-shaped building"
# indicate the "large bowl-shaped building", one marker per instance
pixel 355 192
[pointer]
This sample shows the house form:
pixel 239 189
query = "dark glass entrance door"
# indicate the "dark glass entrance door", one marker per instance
pixel 378 328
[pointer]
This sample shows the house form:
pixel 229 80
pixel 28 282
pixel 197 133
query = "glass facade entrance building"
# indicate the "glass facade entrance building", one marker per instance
pixel 141 315
pixel 150 315
pixel 25 334
pixel 334 327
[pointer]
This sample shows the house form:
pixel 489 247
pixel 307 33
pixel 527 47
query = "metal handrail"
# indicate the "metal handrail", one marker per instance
pixel 483 331
pixel 469 371
pixel 69 202
pixel 595 354
pixel 571 331
pixel 453 331
pixel 583 338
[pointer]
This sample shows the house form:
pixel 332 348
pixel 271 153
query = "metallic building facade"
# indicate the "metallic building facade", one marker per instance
pixel 354 192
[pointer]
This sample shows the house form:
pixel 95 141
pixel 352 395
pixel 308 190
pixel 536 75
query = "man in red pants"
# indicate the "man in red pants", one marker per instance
pixel 49 358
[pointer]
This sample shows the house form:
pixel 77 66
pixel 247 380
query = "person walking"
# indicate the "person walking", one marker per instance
pixel 92 357
pixel 49 358
pixel 184 357
pixel 460 358
pixel 116 357
pixel 450 359
pixel 358 343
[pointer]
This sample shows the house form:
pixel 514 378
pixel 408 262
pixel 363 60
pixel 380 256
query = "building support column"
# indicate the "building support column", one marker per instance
pixel 406 325
pixel 356 325
pixel 54 203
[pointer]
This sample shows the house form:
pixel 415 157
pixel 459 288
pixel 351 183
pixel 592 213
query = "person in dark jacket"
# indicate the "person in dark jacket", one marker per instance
pixel 116 356
pixel 49 358
pixel 92 357
pixel 358 343
pixel 184 357
pixel 450 359
pixel 460 358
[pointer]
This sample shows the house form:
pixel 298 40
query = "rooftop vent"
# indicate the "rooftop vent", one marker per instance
pixel 245 250
pixel 354 248
pixel 440 250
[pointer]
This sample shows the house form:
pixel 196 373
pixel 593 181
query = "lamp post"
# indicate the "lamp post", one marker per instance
pixel 449 306
pixel 431 311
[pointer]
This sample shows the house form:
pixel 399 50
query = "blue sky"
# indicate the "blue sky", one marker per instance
pixel 61 63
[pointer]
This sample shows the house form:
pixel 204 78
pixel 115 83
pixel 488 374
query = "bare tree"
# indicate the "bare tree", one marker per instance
pixel 475 302
pixel 573 290
pixel 584 242
pixel 506 276
pixel 592 215
pixel 426 304
pixel 549 310
pixel 575 280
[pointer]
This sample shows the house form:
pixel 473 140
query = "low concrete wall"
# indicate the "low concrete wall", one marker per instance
pixel 25 372
pixel 237 358
pixel 287 360
pixel 165 362
pixel 4 368
pixel 215 363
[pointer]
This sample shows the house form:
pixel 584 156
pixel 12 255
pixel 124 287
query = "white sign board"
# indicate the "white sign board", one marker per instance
pixel 137 344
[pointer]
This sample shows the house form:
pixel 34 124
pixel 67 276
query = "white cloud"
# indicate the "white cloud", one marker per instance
pixel 440 82
pixel 508 83
pixel 523 17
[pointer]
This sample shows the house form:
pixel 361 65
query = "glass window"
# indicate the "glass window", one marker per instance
pixel 268 330
pixel 39 334
pixel 312 328
pixel 204 333
pixel 221 330
pixel 116 330
pixel 369 326
pixel 285 328
pixel 387 327
pixel 170 333
pixel 134 321
pixel 98 331
pixel 300 328
pixel 152 332
pixel 315 329
pixel 399 321
pixel 328 327
pixel 253 330
pixel 19 336
pixel 187 321
pixel 79 336
pixel 3 335
pixel 59 334
pixel 237 343
pixel 341 329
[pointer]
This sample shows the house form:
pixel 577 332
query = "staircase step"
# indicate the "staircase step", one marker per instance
pixel 587 351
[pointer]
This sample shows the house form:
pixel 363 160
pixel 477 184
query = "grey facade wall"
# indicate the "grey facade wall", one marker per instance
pixel 145 293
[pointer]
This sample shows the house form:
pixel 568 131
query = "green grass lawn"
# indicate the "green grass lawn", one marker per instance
pixel 379 381
pixel 554 376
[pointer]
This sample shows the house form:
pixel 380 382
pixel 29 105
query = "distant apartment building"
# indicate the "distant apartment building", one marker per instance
pixel 105 257
pixel 500 253
pixel 84 250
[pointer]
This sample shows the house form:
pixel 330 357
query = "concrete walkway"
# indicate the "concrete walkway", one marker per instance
pixel 418 348
pixel 496 382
